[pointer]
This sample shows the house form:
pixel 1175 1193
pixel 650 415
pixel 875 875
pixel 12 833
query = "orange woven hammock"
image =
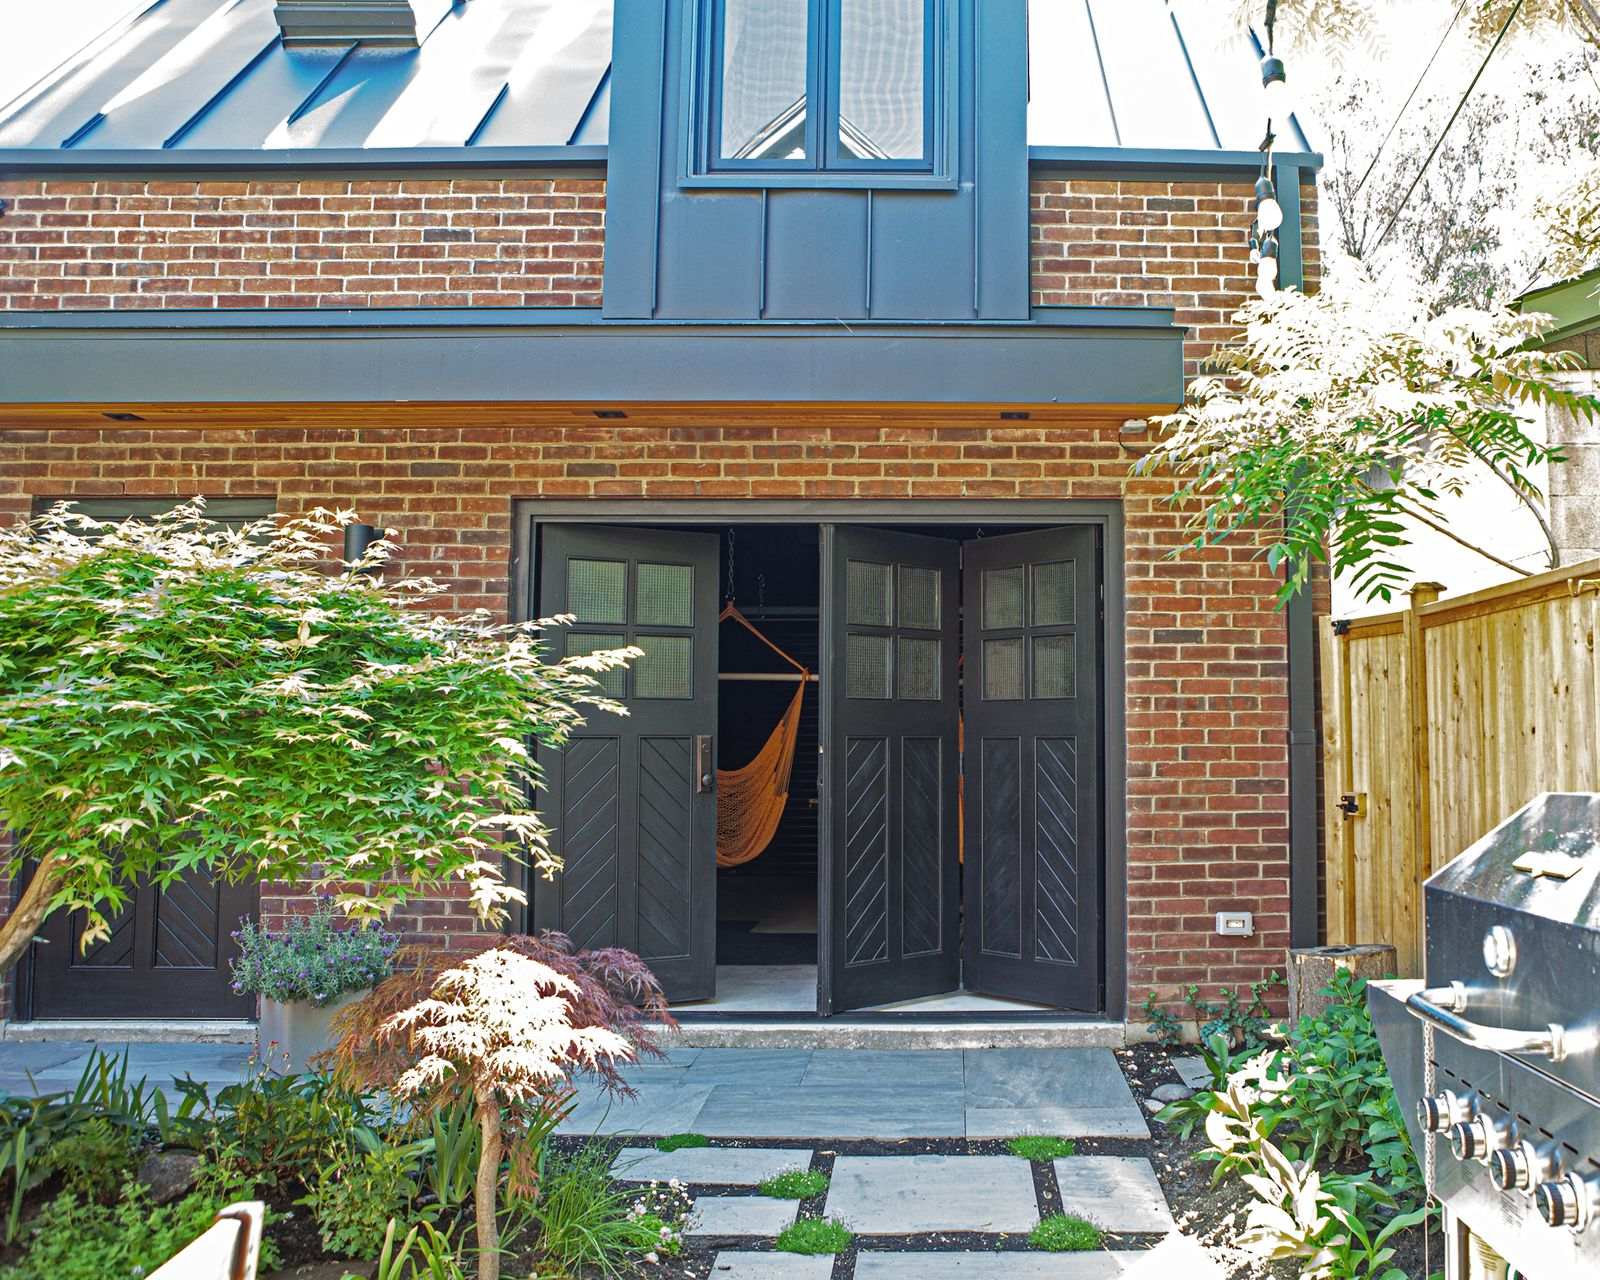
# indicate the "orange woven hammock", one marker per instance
pixel 751 800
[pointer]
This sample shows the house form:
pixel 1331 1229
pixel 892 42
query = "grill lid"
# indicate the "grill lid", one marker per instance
pixel 1544 861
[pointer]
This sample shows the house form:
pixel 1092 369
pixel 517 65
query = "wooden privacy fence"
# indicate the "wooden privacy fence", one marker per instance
pixel 1440 720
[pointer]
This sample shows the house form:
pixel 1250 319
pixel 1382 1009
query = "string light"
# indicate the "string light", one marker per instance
pixel 1275 91
pixel 1267 268
pixel 1269 213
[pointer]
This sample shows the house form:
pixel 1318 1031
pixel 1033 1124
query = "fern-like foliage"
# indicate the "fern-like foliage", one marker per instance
pixel 1340 418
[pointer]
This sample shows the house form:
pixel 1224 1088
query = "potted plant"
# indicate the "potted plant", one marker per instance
pixel 304 974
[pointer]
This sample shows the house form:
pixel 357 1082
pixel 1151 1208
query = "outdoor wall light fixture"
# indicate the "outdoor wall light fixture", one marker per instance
pixel 610 415
pixel 1014 415
pixel 357 538
pixel 122 417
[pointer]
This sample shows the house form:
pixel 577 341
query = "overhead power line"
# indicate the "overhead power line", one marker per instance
pixel 1410 97
pixel 1443 133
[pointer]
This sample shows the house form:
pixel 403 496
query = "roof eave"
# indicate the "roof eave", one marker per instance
pixel 23 161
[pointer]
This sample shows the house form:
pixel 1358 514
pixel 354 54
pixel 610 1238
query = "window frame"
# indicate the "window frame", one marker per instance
pixel 824 165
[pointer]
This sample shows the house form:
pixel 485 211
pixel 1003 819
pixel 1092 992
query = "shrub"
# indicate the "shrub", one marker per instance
pixel 814 1235
pixel 311 958
pixel 75 1239
pixel 94 1159
pixel 587 1223
pixel 355 1199
pixel 1062 1233
pixel 499 1027
pixel 1039 1148
pixel 795 1184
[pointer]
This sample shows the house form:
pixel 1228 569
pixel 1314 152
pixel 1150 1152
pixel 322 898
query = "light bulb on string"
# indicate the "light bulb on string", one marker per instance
pixel 1275 92
pixel 1267 268
pixel 1269 213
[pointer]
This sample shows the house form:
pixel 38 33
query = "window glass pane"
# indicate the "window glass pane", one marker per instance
pixel 613 683
pixel 664 671
pixel 1002 598
pixel 866 589
pixel 881 79
pixel 1002 669
pixel 1053 675
pixel 764 79
pixel 866 660
pixel 919 597
pixel 665 596
pixel 597 590
pixel 1053 588
pixel 916 668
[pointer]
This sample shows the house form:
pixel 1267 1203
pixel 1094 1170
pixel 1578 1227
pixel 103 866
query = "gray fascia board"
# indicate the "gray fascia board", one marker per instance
pixel 379 320
pixel 26 161
pixel 1149 161
pixel 1018 363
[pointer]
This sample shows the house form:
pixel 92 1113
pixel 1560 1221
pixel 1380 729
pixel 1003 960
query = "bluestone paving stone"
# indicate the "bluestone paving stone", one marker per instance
pixel 907 1195
pixel 741 1216
pixel 707 1166
pixel 1193 1072
pixel 870 1068
pixel 1059 1122
pixel 662 1109
pixel 1045 1077
pixel 772 1266
pixel 1116 1193
pixel 991 1266
pixel 827 1111
pixel 750 1068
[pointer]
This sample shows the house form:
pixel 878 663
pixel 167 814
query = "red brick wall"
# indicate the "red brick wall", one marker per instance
pixel 1183 245
pixel 1207 814
pixel 487 242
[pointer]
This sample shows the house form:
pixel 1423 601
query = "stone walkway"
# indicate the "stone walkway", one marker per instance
pixel 883 1199
pixel 862 1093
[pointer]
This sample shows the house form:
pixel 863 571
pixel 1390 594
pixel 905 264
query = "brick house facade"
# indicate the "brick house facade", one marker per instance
pixel 1206 711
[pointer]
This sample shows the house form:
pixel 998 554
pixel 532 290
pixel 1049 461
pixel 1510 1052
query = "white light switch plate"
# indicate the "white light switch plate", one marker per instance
pixel 1236 924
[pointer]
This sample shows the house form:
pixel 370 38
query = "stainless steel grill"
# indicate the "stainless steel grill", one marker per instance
pixel 1496 1055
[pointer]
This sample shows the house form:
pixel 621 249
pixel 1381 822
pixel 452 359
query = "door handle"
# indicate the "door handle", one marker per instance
pixel 704 774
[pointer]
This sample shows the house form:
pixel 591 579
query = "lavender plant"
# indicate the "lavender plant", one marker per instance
pixel 312 959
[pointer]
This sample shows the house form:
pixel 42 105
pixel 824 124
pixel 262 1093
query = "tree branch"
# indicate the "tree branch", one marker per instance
pixel 1417 514
pixel 23 923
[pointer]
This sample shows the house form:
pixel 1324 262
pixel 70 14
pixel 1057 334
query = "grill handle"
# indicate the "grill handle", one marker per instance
pixel 1439 1007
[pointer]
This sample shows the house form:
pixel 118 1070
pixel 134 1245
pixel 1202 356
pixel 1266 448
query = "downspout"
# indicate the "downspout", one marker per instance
pixel 1300 622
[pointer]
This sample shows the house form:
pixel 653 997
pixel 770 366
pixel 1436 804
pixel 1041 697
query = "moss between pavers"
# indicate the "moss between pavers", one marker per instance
pixel 795 1184
pixel 814 1235
pixel 680 1141
pixel 1032 1146
pixel 1061 1233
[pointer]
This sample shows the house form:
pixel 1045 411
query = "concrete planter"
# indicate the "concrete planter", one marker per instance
pixel 288 1034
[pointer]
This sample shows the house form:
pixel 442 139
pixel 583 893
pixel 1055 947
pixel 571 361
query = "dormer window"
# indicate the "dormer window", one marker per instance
pixel 822 93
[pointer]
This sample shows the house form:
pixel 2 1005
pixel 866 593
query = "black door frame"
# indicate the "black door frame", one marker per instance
pixel 1104 514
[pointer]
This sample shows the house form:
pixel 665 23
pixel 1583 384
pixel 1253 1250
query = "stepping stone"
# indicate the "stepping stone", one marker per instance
pixel 993 1266
pixel 832 1111
pixel 1193 1072
pixel 1071 1093
pixel 772 1266
pixel 741 1216
pixel 657 1108
pixel 907 1195
pixel 1116 1193
pixel 706 1166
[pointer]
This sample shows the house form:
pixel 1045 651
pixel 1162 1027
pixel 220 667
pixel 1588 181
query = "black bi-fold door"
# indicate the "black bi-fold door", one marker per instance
pixel 890 767
pixel 1032 757
pixel 169 955
pixel 632 798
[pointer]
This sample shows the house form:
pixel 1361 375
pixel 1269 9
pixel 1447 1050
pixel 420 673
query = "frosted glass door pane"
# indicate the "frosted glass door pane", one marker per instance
pixel 597 590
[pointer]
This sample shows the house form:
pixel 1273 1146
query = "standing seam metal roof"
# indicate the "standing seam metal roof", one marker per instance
pixel 214 76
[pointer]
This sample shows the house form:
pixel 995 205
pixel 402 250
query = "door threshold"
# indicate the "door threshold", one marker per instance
pixel 145 1030
pixel 888 1033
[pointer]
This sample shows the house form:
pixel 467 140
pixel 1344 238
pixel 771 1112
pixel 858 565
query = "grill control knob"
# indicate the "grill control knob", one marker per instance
pixel 1439 1112
pixel 1524 1166
pixel 1500 951
pixel 1474 1139
pixel 1572 1201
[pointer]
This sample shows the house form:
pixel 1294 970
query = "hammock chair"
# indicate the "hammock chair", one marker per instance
pixel 751 800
